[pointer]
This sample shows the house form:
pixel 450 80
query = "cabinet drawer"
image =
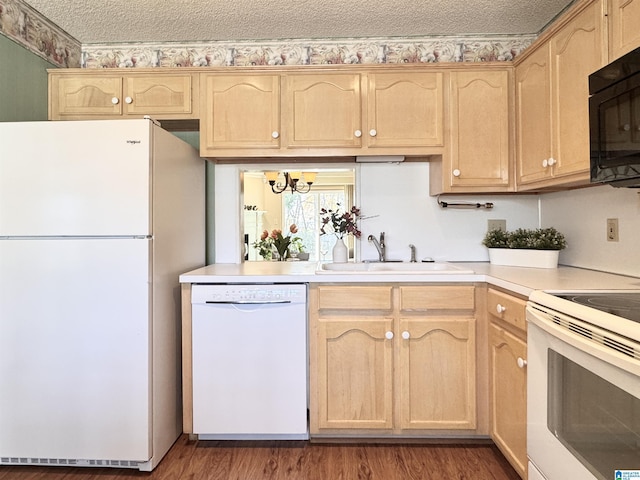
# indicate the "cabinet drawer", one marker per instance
pixel 507 307
pixel 355 298
pixel 437 298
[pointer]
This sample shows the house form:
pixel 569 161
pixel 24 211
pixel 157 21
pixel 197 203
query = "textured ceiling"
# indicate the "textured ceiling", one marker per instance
pixel 125 21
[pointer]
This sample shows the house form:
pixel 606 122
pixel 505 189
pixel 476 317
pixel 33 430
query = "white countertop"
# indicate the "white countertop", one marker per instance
pixel 516 279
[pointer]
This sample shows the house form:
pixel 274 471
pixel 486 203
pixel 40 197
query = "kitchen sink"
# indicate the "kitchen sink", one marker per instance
pixel 422 268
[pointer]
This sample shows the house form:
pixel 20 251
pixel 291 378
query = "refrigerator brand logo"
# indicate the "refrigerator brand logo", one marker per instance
pixel 133 142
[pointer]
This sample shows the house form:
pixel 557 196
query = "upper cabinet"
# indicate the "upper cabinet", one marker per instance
pixel 478 155
pixel 404 110
pixel 315 112
pixel 87 94
pixel 559 102
pixel 624 27
pixel 322 110
pixel 240 113
pixel 533 117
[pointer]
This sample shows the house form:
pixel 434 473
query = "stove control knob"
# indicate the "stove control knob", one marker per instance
pixel 521 362
pixel 500 308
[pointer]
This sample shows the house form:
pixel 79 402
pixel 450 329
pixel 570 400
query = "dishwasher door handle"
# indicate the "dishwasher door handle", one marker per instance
pixel 246 302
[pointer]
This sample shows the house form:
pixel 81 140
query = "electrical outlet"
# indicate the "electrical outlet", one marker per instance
pixel 612 230
pixel 493 224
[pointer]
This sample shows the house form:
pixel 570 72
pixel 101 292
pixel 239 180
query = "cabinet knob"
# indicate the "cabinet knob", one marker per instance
pixel 456 173
pixel 552 161
pixel 357 133
pixel 128 100
pixel 406 335
pixel 275 134
pixel 521 362
pixel 115 100
pixel 500 308
pixel 373 132
pixel 545 163
pixel 626 127
pixel 388 335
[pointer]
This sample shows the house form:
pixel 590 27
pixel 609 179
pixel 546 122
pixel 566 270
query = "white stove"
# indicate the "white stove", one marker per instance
pixel 583 384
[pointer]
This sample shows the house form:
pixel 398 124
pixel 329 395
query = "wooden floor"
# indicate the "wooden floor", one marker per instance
pixel 293 460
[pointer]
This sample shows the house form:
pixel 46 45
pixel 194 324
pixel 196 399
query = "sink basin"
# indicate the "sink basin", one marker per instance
pixel 424 268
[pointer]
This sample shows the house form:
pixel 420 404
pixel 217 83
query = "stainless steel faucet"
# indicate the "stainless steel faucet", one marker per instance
pixel 413 253
pixel 379 244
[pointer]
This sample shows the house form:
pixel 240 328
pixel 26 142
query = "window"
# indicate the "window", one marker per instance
pixel 304 211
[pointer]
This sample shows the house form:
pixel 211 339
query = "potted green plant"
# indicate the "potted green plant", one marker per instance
pixel 538 248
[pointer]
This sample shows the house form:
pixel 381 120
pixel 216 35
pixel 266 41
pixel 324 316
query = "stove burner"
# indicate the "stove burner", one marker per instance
pixel 625 305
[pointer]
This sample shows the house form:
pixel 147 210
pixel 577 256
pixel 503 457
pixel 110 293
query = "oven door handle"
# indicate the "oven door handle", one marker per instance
pixel 606 346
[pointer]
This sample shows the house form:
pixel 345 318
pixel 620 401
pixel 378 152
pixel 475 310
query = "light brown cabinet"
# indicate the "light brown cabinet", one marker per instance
pixel 320 113
pixel 508 377
pixel 83 94
pixel 568 56
pixel 478 150
pixel 404 110
pixel 624 27
pixel 240 113
pixel 392 359
pixel 533 113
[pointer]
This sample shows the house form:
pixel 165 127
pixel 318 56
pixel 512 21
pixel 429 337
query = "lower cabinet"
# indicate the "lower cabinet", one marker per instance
pixel 508 377
pixel 392 359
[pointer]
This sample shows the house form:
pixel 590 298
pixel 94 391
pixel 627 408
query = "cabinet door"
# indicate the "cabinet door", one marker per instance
pixel 624 27
pixel 159 95
pixel 404 109
pixel 533 112
pixel 239 112
pixel 479 129
pixel 508 396
pixel 576 51
pixel 85 96
pixel 355 370
pixel 323 110
pixel 437 373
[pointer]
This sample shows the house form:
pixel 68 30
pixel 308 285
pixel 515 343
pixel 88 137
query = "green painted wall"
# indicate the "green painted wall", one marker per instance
pixel 23 83
pixel 193 138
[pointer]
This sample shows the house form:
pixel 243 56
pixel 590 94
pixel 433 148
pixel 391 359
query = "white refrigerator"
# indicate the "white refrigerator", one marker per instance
pixel 97 221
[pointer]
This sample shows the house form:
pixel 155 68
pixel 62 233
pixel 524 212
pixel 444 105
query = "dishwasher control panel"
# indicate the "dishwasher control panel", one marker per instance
pixel 290 293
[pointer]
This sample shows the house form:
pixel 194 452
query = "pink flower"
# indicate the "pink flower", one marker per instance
pixel 293 228
pixel 264 235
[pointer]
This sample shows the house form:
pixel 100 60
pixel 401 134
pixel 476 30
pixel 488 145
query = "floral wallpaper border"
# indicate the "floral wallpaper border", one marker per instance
pixel 29 28
pixel 306 52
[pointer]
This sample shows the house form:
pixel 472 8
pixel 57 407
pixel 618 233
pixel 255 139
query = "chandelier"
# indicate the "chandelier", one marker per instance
pixel 295 181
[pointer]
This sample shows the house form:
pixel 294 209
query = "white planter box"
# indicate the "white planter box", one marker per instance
pixel 524 258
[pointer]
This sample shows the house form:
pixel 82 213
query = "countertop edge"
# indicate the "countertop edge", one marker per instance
pixel 515 279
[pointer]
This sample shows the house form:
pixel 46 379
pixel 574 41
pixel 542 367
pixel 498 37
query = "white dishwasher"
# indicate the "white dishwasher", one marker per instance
pixel 250 361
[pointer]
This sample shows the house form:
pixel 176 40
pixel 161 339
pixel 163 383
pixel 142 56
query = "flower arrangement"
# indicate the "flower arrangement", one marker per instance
pixel 532 239
pixel 281 243
pixel 340 224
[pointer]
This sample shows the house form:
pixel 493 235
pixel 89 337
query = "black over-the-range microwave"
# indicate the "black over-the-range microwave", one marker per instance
pixel 614 122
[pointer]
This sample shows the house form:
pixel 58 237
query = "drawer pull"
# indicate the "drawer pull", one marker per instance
pixel 500 308
pixel 521 362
